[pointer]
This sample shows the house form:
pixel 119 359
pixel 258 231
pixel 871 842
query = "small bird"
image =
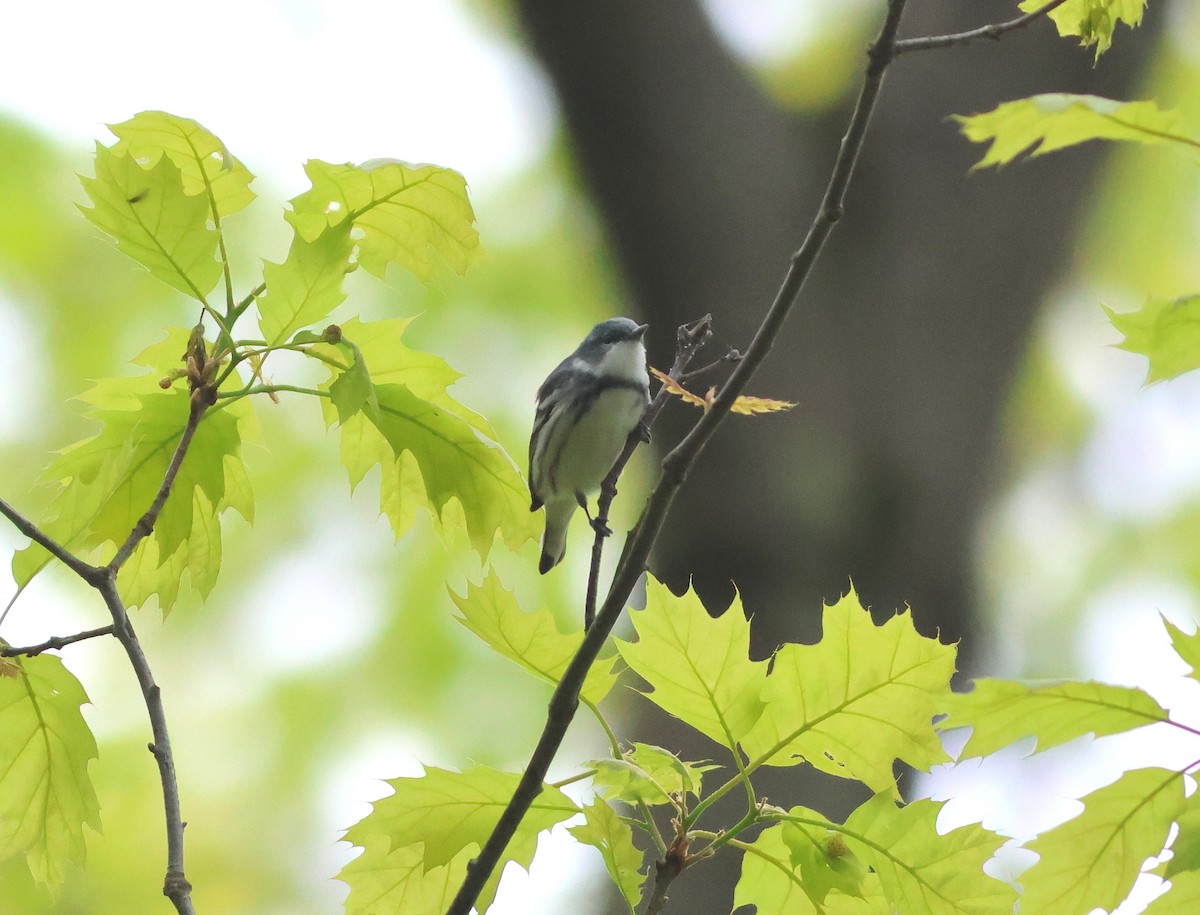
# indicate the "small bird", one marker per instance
pixel 586 409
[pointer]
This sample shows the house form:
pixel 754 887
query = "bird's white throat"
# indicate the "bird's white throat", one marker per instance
pixel 626 360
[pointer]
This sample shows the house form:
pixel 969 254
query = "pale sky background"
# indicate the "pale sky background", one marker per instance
pixel 421 80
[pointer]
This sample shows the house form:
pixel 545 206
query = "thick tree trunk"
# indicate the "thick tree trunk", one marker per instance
pixel 908 334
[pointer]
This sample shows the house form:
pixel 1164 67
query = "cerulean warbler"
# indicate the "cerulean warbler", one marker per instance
pixel 586 409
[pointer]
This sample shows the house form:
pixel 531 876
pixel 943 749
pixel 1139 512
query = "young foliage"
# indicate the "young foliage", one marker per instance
pixel 447 813
pixel 1045 123
pixel 307 286
pixel 859 699
pixel 1182 899
pixel 698 667
pixel 1094 21
pixel 1165 331
pixel 1092 860
pixel 105 483
pixel 613 838
pixel 406 214
pixel 649 775
pixel 384 880
pixel 46 795
pixel 532 640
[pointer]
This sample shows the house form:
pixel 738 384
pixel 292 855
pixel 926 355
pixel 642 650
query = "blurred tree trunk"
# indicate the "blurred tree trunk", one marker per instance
pixel 905 341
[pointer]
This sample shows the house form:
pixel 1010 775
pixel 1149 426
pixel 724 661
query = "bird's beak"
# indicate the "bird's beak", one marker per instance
pixel 640 332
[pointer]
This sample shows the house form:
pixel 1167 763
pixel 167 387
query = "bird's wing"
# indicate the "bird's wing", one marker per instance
pixel 552 410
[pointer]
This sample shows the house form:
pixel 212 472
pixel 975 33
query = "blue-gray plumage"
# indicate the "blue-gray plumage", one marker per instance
pixel 586 409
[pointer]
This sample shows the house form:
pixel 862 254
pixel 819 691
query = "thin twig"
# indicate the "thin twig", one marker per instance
pixel 33 532
pixel 688 341
pixel 992 31
pixel 733 356
pixel 175 886
pixel 200 401
pixel 58 641
pixel 675 467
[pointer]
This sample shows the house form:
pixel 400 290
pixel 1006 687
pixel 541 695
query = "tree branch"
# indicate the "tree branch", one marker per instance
pixel 201 400
pixel 992 31
pixel 58 641
pixel 33 532
pixel 688 341
pixel 675 467
pixel 175 886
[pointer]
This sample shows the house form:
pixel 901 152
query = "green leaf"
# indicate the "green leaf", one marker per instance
pixel 925 872
pixel 385 880
pixel 1186 646
pixel 449 811
pixel 1045 123
pixel 406 213
pixel 205 164
pixel 768 881
pixel 532 640
pixel 605 831
pixel 821 855
pixel 46 796
pixel 352 390
pixel 859 699
pixel 153 221
pixel 1186 847
pixel 1165 331
pixel 647 774
pixel 699 667
pixel 1001 712
pixel 307 286
pixel 429 448
pixel 1093 859
pixel 1094 21
pixel 1183 898
pixel 106 483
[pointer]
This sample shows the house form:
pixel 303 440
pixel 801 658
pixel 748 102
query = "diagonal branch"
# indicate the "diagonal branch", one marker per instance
pixel 992 31
pixel 689 340
pixel 35 533
pixel 675 467
pixel 58 641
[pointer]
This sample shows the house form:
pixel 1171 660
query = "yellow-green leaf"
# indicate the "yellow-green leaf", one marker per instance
pixel 820 853
pixel 1165 331
pixel 1093 860
pixel 1045 123
pixel 1094 21
pixel 1186 646
pixel 307 286
pixel 647 774
pixel 406 214
pixel 613 838
pixel 1001 712
pixel 856 701
pixel 923 871
pixel 1183 898
pixel 532 640
pixel 206 165
pixel 769 881
pixel 385 880
pixel 46 795
pixel 154 221
pixel 699 667
pixel 1185 850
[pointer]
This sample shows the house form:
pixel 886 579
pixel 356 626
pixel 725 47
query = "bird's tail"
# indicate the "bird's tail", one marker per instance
pixel 554 542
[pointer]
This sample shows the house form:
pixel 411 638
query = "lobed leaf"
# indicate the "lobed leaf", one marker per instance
pixel 448 812
pixel 1094 21
pixel 1001 712
pixel 205 164
pixel 106 483
pixel 429 448
pixel 1045 123
pixel 859 699
pixel 922 871
pixel 46 795
pixel 606 832
pixel 154 221
pixel 1093 860
pixel 769 881
pixel 1186 646
pixel 821 856
pixel 699 667
pixel 385 880
pixel 532 640
pixel 1165 331
pixel 744 404
pixel 647 774
pixel 1185 850
pixel 1183 898
pixel 406 214
pixel 307 286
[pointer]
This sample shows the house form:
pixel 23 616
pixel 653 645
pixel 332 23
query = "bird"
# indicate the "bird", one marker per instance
pixel 586 409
